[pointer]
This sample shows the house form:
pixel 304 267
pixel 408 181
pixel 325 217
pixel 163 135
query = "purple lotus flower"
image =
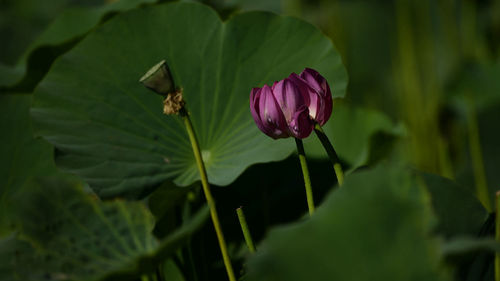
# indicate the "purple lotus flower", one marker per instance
pixel 320 97
pixel 291 106
pixel 280 111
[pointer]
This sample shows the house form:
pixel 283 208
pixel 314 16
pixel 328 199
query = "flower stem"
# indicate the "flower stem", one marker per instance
pixel 305 173
pixel 206 189
pixel 497 236
pixel 331 153
pixel 477 156
pixel 246 231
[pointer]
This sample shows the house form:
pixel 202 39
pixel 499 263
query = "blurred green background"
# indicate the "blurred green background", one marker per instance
pixel 432 67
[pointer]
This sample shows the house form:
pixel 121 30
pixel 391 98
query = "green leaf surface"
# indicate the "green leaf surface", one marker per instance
pixel 375 227
pixel 352 130
pixel 13 254
pixel 74 236
pixel 111 130
pixel 69 27
pixel 23 156
pixel 458 210
pixel 172 272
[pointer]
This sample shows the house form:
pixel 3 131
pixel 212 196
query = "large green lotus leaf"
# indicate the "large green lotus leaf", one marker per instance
pixel 352 130
pixel 68 28
pixel 110 129
pixel 375 227
pixel 23 156
pixel 13 253
pixel 74 236
pixel 458 210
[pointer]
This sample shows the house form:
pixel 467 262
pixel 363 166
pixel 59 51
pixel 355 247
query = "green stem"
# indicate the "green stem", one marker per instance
pixel 246 231
pixel 305 173
pixel 331 153
pixel 477 156
pixel 208 194
pixel 497 236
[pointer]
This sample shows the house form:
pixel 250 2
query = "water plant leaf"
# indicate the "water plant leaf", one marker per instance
pixel 457 209
pixel 23 156
pixel 13 253
pixel 376 227
pixel 110 130
pixel 68 28
pixel 74 236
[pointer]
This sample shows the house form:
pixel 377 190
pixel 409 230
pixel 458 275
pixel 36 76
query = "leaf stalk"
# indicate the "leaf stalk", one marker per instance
pixel 497 236
pixel 208 195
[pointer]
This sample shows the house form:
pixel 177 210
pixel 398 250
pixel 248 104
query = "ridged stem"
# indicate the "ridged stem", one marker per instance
pixel 477 156
pixel 208 194
pixel 339 172
pixel 305 173
pixel 497 236
pixel 245 230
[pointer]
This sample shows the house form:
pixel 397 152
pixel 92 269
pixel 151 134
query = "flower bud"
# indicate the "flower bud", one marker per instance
pixel 281 111
pixel 267 113
pixel 320 97
pixel 159 79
